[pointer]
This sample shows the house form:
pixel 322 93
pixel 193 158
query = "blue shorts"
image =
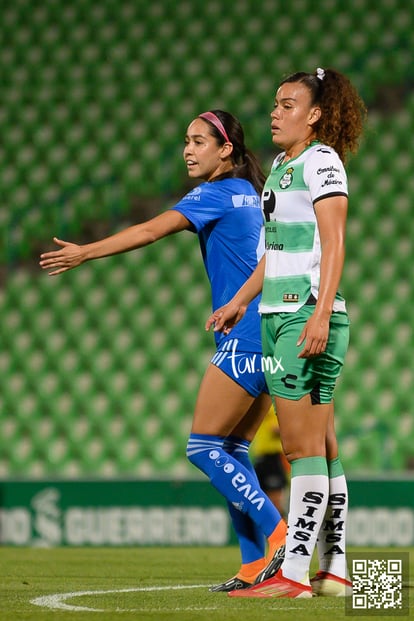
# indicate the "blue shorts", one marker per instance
pixel 245 368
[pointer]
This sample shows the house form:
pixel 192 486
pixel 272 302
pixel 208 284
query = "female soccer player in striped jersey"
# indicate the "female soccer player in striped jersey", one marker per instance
pixel 317 119
pixel 225 213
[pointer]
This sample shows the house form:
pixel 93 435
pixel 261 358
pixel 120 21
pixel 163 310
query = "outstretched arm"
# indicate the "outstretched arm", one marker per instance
pixel 72 255
pixel 226 317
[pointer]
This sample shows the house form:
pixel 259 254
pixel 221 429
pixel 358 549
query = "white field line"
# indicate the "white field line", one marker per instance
pixel 57 600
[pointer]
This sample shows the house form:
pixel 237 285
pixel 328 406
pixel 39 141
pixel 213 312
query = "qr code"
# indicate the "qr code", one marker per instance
pixel 378 584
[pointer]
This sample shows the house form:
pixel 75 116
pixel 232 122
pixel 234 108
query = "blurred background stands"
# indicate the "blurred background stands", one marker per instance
pixel 100 368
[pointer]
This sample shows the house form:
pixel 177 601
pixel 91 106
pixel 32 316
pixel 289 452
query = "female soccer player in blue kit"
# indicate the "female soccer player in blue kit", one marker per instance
pixel 232 401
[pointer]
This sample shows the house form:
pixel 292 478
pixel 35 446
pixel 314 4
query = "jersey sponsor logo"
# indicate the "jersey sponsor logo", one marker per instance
pixel 274 246
pixel 331 182
pixel 287 178
pixel 245 200
pixel 327 169
pixel 193 195
pixel 331 176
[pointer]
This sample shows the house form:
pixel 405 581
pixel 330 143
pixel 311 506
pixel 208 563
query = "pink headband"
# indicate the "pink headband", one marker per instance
pixel 213 118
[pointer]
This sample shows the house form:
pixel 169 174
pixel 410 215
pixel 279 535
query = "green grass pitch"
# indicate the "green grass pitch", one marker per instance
pixel 146 584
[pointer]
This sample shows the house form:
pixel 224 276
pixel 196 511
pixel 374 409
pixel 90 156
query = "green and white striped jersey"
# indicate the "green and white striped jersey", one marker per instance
pixel 293 251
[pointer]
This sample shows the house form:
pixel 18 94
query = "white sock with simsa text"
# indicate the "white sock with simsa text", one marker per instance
pixel 332 536
pixel 308 500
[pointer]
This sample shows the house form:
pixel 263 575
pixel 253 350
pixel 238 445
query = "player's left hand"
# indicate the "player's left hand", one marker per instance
pixel 314 336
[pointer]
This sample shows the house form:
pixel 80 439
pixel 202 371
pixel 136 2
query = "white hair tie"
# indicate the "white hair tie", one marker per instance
pixel 320 73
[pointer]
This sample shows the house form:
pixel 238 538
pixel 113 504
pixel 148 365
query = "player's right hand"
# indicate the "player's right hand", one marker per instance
pixel 58 261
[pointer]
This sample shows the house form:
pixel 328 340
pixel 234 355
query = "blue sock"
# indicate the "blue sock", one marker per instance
pixel 233 480
pixel 251 538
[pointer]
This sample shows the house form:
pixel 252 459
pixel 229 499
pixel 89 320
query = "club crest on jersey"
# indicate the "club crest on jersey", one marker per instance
pixel 287 179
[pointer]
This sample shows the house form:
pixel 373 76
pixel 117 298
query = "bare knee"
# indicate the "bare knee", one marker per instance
pixel 309 450
pixel 303 427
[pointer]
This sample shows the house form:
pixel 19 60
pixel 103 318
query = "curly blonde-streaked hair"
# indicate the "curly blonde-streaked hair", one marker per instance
pixel 343 111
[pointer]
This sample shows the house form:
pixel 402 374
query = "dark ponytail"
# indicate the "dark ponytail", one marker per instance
pixel 246 164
